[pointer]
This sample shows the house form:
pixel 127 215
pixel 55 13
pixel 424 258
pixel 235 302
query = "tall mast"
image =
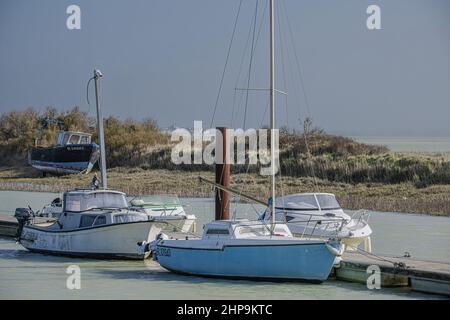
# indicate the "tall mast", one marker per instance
pixel 101 137
pixel 272 108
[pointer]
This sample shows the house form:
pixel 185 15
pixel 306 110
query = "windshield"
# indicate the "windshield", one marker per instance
pixel 327 202
pixel 299 202
pixel 156 201
pixel 82 202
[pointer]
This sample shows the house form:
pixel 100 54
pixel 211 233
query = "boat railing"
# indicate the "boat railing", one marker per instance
pixel 322 226
pixel 325 227
pixel 362 216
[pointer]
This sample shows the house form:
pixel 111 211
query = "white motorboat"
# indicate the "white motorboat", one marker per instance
pixel 93 223
pixel 320 215
pixel 165 208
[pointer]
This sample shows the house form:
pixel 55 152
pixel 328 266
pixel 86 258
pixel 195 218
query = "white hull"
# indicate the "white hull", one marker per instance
pixel 351 236
pixel 106 241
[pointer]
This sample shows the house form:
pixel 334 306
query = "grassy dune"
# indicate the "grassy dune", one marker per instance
pixel 402 197
pixel 139 161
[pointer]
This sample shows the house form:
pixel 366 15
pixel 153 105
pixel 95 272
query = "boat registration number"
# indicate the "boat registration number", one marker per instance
pixel 165 252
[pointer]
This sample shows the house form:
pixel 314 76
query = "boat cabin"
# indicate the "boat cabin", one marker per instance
pixel 90 208
pixel 72 137
pixel 244 229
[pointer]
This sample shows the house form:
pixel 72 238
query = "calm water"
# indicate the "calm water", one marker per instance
pixel 26 275
pixel 410 144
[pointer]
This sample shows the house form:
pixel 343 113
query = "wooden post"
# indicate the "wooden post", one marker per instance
pixel 222 175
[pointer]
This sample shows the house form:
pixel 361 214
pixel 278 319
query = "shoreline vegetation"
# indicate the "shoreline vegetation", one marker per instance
pixel 139 162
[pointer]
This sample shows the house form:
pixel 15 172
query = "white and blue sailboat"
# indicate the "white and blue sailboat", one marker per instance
pixel 263 250
pixel 249 250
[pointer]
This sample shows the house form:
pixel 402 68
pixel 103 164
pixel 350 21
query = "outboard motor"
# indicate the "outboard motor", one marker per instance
pixel 23 216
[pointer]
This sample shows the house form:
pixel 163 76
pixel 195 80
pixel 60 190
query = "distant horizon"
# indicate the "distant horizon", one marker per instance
pixel 164 60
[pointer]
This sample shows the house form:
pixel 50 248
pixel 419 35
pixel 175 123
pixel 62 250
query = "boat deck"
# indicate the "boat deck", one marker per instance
pixel 8 224
pixel 181 236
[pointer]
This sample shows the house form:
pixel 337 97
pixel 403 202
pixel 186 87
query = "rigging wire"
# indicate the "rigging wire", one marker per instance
pixel 283 64
pixel 297 59
pixel 286 96
pixel 253 47
pixel 226 63
pixel 302 85
pixel 243 58
pixel 250 64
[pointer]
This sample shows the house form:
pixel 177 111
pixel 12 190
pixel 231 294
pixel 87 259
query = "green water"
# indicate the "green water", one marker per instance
pixel 25 275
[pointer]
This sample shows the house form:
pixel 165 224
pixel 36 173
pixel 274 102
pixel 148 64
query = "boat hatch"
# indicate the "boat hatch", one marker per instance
pixel 85 200
pixel 261 230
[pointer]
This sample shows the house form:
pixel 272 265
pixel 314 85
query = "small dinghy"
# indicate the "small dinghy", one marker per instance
pixel 165 208
pixel 320 215
pixel 93 223
pixel 251 250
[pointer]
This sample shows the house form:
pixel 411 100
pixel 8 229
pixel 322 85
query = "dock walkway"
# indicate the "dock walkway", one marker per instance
pixel 420 275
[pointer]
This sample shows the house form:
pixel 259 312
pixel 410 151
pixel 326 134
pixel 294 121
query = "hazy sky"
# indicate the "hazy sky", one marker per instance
pixel 164 58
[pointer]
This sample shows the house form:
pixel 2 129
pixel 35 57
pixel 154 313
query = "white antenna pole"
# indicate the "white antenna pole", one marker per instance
pixel 272 107
pixel 97 76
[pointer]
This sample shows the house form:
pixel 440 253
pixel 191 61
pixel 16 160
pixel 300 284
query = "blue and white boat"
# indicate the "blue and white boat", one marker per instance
pixel 252 250
pixel 263 249
pixel 73 153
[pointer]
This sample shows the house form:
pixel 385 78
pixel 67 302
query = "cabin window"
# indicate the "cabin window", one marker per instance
pixel 327 202
pixel 84 140
pixel 74 139
pixel 217 232
pixel 89 220
pixel 299 202
pixel 124 218
pixel 66 139
pixel 81 202
pixel 289 218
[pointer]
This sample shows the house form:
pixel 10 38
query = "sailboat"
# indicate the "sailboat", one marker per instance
pixel 251 249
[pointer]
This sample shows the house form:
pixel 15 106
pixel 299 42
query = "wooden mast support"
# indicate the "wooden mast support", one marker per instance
pixel 222 175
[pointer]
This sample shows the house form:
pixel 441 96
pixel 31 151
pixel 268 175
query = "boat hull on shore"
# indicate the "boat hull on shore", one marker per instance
pixel 67 159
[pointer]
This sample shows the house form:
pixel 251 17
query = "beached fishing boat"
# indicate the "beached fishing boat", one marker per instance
pixel 93 223
pixel 320 215
pixel 165 208
pixel 251 250
pixel 73 153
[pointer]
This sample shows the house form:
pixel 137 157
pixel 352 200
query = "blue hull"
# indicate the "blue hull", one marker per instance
pixel 299 262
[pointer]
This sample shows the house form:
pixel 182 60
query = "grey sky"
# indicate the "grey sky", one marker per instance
pixel 163 59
